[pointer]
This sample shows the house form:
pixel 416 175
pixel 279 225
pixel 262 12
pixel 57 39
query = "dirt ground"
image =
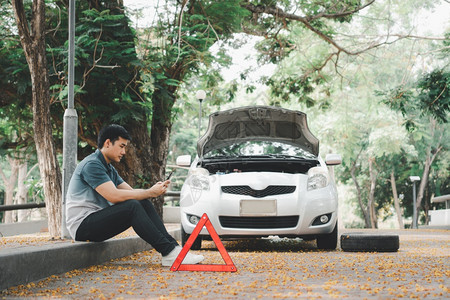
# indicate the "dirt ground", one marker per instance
pixel 269 268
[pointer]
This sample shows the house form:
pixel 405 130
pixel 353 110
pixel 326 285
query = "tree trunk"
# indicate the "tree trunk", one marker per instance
pixel 22 190
pixel 398 210
pixel 10 184
pixel 160 134
pixel 358 194
pixel 371 201
pixel 426 208
pixel 32 37
pixel 426 170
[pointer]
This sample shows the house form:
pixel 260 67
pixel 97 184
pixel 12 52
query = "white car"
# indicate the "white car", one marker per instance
pixel 258 173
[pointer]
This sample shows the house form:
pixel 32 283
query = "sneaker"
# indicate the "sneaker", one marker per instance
pixel 190 259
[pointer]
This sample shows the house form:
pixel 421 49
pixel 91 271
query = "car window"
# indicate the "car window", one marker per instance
pixel 260 148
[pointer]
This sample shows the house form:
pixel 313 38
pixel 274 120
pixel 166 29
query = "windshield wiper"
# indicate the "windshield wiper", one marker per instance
pixel 217 156
pixel 285 156
pixel 292 157
pixel 254 156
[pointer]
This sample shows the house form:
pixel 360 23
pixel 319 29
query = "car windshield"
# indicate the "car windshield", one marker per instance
pixel 260 149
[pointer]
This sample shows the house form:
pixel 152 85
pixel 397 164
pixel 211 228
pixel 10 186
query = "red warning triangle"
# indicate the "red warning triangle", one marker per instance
pixel 229 265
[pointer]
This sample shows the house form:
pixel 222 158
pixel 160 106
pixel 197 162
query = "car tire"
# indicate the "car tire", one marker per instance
pixel 197 245
pixel 328 241
pixel 361 242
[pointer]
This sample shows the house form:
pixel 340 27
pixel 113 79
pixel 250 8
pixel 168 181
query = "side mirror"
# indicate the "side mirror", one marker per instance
pixel 184 160
pixel 333 159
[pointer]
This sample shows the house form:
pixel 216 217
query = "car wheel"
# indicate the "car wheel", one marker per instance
pixel 369 242
pixel 197 245
pixel 328 241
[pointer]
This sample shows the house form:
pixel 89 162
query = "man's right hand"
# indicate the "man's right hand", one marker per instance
pixel 159 188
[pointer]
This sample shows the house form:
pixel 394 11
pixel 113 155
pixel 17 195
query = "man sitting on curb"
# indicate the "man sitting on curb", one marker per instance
pixel 100 204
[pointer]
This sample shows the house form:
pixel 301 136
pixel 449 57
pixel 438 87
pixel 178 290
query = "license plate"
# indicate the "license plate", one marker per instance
pixel 258 208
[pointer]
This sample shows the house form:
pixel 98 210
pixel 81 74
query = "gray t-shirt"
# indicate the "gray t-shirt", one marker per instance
pixel 82 198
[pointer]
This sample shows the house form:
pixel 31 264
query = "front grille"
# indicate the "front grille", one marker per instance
pixel 268 191
pixel 259 222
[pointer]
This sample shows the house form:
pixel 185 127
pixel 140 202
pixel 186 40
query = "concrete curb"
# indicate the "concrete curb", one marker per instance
pixel 27 264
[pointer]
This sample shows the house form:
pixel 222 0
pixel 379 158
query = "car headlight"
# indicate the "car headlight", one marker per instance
pixel 199 179
pixel 317 178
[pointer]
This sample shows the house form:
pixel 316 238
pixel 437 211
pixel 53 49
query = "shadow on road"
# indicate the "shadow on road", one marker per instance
pixel 265 245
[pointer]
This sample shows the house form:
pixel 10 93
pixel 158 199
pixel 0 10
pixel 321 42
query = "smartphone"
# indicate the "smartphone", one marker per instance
pixel 170 175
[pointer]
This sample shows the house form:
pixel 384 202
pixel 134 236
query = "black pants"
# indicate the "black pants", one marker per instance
pixel 141 215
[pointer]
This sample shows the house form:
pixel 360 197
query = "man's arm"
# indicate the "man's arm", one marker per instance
pixel 124 186
pixel 125 192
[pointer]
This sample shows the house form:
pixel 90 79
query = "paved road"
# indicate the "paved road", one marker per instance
pixel 269 269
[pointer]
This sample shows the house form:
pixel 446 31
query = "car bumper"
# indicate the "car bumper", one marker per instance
pixel 295 214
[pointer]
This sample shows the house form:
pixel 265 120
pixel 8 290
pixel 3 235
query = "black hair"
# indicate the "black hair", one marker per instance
pixel 112 132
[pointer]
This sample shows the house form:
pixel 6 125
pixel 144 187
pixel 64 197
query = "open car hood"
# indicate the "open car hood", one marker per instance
pixel 257 123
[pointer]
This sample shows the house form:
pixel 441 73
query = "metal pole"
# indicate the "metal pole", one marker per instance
pixel 199 116
pixel 21 206
pixel 70 103
pixel 70 130
pixel 414 224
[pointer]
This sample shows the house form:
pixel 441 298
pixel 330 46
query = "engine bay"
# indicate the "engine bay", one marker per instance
pixel 240 165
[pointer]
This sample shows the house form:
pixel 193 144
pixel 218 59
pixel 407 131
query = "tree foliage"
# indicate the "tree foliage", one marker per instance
pixel 16 119
pixel 106 69
pixel 429 97
pixel 144 79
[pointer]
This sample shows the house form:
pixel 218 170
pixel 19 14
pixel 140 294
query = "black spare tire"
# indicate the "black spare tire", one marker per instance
pixel 369 242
